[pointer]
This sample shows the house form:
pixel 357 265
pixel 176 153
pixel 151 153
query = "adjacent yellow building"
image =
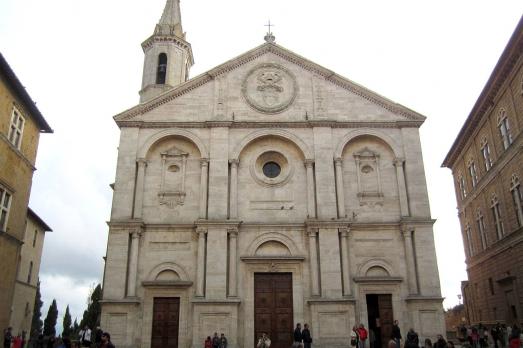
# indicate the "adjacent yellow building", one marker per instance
pixel 20 126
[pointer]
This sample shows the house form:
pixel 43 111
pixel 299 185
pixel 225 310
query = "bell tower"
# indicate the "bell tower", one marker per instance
pixel 168 57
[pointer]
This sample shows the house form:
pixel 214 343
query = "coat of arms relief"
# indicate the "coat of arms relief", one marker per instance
pixel 269 88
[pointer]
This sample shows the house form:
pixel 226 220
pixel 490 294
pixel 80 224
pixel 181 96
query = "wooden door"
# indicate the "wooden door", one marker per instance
pixel 386 318
pixel 166 313
pixel 273 308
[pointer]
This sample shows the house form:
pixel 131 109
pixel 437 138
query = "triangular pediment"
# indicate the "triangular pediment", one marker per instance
pixel 323 83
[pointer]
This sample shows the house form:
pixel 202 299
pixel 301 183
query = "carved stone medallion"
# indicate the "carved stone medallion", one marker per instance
pixel 269 88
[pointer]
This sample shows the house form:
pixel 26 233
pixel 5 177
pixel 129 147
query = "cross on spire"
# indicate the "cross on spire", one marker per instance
pixel 269 25
pixel 269 37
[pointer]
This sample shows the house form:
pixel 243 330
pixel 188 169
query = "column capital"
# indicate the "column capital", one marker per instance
pixel 234 162
pixel 233 232
pixel 201 232
pixel 141 161
pixel 398 161
pixel 345 232
pixel 313 232
pixel 308 163
pixel 204 162
pixel 407 231
pixel 338 161
pixel 135 233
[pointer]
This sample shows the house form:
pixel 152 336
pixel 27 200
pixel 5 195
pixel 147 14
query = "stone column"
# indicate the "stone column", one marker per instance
pixel 233 274
pixel 133 263
pixel 138 193
pixel 233 207
pixel 345 261
pixel 402 187
pixel 340 193
pixel 311 204
pixel 409 255
pixel 204 165
pixel 313 254
pixel 200 264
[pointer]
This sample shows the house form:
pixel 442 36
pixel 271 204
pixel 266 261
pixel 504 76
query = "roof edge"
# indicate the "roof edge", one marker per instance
pixel 20 91
pixel 285 54
pixel 39 220
pixel 503 67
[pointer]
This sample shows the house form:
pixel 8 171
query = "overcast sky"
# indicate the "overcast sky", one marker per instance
pixel 81 61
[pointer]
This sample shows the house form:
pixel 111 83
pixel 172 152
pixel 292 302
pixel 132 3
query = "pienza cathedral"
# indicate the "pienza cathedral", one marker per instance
pixel 266 192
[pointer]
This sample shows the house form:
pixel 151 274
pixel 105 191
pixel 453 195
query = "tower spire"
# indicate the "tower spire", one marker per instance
pixel 171 21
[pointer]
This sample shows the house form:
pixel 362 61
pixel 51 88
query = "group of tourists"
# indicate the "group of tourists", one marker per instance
pixel 499 336
pixel 86 339
pixel 302 338
pixel 216 341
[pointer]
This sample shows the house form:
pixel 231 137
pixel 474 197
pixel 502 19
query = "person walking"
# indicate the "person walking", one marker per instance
pixel 396 334
pixel 306 335
pixel 8 337
pixel 85 337
pixel 297 336
pixel 223 341
pixel 515 339
pixel 208 342
pixel 412 339
pixel 362 336
pixel 440 342
pixel 215 341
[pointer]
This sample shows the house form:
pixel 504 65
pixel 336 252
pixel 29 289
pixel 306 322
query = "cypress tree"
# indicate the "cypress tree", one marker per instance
pixel 67 323
pixel 36 322
pixel 50 320
pixel 91 316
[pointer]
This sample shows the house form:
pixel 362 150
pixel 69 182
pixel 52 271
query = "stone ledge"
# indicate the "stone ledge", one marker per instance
pixel 348 299
pixel 259 259
pixel 228 301
pixel 417 298
pixel 126 301
pixel 167 284
pixel 377 279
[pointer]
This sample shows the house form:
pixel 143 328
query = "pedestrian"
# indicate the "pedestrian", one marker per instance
pixel 440 342
pixel 223 341
pixel 306 335
pixel 17 341
pixel 475 337
pixel 106 341
pixel 297 336
pixel 428 343
pixel 264 341
pixel 98 337
pixel 396 334
pixel 8 337
pixel 362 336
pixel 450 344
pixel 215 341
pixel 412 339
pixel 515 339
pixel 208 342
pixel 40 341
pixel 85 337
pixel 354 338
pixel 51 341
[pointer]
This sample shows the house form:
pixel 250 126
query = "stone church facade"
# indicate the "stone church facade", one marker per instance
pixel 265 192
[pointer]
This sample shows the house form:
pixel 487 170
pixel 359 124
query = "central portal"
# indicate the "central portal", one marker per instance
pixel 273 308
pixel 379 308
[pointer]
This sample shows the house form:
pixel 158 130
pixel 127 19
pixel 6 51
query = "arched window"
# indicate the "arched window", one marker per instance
pixel 161 72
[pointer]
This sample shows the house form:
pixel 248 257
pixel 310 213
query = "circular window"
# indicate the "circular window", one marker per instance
pixel 271 169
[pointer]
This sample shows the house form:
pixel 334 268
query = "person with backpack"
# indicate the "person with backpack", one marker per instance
pixel 362 335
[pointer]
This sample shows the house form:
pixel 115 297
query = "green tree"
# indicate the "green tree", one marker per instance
pixel 91 315
pixel 67 329
pixel 50 320
pixel 76 327
pixel 36 322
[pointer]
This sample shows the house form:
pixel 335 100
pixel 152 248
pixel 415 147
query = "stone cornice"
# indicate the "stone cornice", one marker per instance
pixel 500 246
pixel 255 124
pixel 498 79
pixel 290 56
